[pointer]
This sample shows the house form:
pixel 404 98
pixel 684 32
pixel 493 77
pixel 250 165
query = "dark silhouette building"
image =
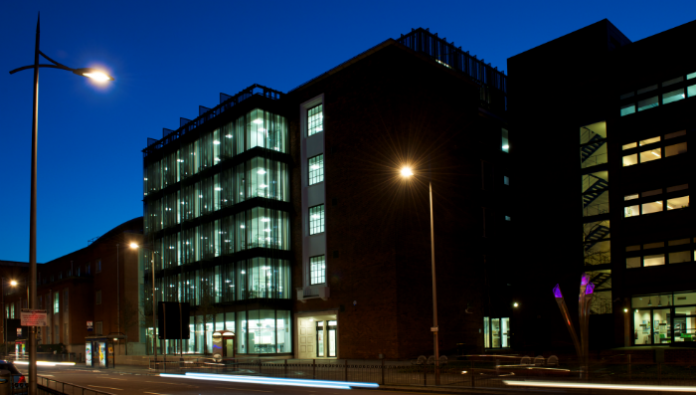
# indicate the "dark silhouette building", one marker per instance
pixel 601 127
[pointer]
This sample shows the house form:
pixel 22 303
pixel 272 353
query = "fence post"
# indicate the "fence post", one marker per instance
pixel 659 373
pixel 285 369
pixel 314 369
pixel 473 376
pixel 629 366
pixel 382 371
pixel 346 367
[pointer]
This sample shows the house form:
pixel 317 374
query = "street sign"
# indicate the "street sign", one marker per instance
pixel 33 317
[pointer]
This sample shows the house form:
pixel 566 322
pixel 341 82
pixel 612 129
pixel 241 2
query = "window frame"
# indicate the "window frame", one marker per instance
pixel 313 176
pixel 319 228
pixel 320 272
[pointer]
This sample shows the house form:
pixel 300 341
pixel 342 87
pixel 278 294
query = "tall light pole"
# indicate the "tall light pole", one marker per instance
pixel 96 75
pixel 406 172
pixel 154 302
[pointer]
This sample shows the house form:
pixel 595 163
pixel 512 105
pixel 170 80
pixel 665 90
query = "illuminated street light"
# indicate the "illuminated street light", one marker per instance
pixel 13 283
pixel 31 284
pixel 406 172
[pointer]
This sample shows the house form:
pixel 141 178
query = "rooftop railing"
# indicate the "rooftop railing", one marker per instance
pixel 227 102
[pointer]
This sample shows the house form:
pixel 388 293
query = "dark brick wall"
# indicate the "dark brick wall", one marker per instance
pixel 391 108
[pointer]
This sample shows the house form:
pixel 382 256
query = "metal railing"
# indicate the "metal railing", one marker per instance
pixel 66 388
pixel 489 371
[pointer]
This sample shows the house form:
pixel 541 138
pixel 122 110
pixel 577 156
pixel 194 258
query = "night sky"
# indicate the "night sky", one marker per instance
pixel 169 57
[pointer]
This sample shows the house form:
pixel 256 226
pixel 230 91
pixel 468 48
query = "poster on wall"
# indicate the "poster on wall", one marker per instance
pixel 102 354
pixel 88 354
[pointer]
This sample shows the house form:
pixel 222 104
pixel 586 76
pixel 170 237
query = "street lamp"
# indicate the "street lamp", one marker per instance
pixel 135 246
pixel 407 172
pixel 96 75
pixel 13 283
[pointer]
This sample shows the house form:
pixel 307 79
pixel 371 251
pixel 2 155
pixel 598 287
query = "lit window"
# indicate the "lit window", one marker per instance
pixel 316 219
pixel 654 260
pixel 677 188
pixel 649 141
pixel 648 103
pixel 316 169
pixel 317 269
pixel 507 218
pixel 633 248
pixel 675 149
pixel 630 160
pixel 628 109
pixel 651 193
pixel 677 203
pixel 631 211
pixel 675 95
pixel 679 257
pixel 675 134
pixel 673 81
pixel 631 197
pixel 315 120
pixel 650 155
pixel 56 302
pixel 678 242
pixel 629 146
pixel 647 89
pixel 691 91
pixel 652 207
pixel 505 145
pixel 691 76
pixel 632 262
pixel 627 95
pixel 659 244
pixel 506 180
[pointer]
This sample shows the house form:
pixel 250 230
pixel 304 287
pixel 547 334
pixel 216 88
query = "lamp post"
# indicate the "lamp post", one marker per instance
pixel 154 327
pixel 13 283
pixel 406 172
pixel 96 75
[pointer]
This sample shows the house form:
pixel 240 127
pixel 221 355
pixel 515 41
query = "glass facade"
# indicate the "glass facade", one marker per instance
pixel 662 319
pixel 197 226
pixel 496 332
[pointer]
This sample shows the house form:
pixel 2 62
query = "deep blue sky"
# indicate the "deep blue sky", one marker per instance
pixel 169 57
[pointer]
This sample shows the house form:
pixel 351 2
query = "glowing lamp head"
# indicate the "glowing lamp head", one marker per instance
pixel 406 172
pixel 134 245
pixel 13 283
pixel 515 305
pixel 94 74
pixel 625 310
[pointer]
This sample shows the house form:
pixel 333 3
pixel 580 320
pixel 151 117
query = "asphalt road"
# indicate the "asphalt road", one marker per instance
pixel 121 383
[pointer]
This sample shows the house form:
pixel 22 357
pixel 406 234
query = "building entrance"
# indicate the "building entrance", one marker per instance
pixel 664 319
pixel 318 337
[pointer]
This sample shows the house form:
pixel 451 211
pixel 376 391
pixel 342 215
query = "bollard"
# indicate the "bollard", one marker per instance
pixel 382 371
pixel 473 376
pixel 629 366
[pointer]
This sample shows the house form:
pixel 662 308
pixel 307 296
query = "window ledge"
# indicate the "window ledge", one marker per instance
pixel 320 291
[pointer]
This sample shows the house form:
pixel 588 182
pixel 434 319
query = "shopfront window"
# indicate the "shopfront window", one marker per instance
pixel 664 319
pixel 332 337
pixel 320 338
pixel 499 334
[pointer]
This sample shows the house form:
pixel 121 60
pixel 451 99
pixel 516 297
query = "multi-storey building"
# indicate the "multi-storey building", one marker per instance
pixel 282 217
pixel 93 291
pixel 605 181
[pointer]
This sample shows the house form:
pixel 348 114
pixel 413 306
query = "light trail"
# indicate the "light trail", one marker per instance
pixel 274 381
pixel 619 387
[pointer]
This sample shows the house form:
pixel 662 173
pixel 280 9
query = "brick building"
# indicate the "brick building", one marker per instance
pixel 283 218
pixel 610 128
pixel 90 285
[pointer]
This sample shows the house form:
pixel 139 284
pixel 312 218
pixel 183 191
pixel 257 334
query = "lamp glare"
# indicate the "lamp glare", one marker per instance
pixel 406 172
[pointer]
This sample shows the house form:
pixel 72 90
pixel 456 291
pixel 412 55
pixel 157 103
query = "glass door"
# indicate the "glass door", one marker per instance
pixel 662 326
pixel 684 323
pixel 332 338
pixel 505 335
pixel 642 326
pixel 320 338
pixel 495 331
